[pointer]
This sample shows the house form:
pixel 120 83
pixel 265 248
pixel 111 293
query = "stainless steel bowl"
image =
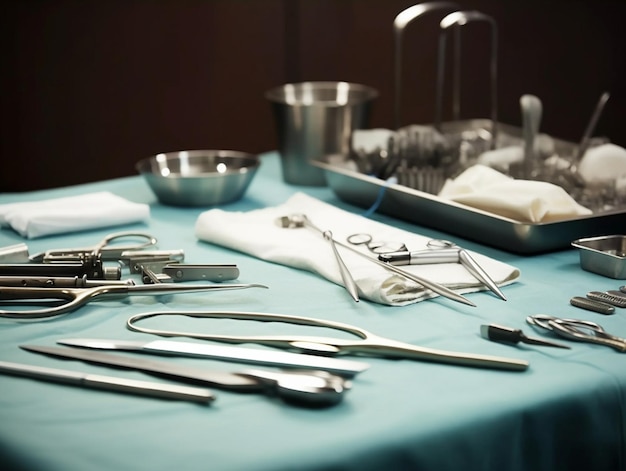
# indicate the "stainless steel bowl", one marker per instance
pixel 199 177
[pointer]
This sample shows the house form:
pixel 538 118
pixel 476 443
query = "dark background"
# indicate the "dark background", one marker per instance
pixel 90 87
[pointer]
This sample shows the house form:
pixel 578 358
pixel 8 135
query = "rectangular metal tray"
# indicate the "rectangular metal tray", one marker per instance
pixel 470 223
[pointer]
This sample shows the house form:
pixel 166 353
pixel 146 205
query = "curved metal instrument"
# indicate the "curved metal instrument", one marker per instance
pixel 77 297
pixel 578 330
pixel 366 343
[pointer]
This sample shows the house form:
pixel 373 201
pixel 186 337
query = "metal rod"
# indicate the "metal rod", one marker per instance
pixel 401 21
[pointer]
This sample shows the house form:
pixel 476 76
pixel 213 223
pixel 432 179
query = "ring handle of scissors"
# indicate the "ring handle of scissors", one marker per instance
pixel 367 344
pixel 360 238
pixel 103 249
pixel 441 244
pixel 110 251
pixel 377 247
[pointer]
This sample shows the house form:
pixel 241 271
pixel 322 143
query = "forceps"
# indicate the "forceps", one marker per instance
pixel 579 330
pixel 367 343
pixel 106 249
pixel 77 297
pixel 300 220
pixel 297 220
pixel 443 251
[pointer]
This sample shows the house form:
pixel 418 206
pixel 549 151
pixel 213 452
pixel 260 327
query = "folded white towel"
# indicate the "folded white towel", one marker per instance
pixel 523 200
pixel 72 213
pixel 257 233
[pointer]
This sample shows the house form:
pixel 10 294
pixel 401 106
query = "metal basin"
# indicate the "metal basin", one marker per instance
pixel 199 177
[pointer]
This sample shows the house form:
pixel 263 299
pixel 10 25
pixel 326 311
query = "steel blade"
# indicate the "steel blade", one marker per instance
pixel 254 356
pixel 212 377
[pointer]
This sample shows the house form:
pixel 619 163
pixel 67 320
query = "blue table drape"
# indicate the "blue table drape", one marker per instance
pixel 567 411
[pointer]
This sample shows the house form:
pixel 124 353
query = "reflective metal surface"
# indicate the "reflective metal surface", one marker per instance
pixel 605 255
pixel 314 120
pixel 199 177
pixel 487 228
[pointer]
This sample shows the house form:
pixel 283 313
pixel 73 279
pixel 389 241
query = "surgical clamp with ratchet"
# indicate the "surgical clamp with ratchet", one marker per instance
pixel 578 330
pixel 106 249
pixel 443 251
pixel 78 297
pixel 367 344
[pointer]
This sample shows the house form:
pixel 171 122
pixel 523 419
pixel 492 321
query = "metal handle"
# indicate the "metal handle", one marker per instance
pixel 401 21
pixel 346 276
pixel 461 18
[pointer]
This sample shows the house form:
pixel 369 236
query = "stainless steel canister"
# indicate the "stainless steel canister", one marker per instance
pixel 314 120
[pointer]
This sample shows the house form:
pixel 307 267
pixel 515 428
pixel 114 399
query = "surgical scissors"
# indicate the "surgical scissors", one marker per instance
pixel 367 344
pixel 375 246
pixel 106 249
pixel 77 297
pixel 443 251
pixel 578 330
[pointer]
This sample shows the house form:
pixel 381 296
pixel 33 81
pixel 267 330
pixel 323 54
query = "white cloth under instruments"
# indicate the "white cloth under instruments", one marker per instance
pixel 257 233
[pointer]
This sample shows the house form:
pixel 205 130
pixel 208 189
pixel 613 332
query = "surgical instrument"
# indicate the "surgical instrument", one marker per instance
pixel 592 305
pixel 367 344
pixel 532 111
pixel 443 251
pixel 591 126
pixel 315 387
pixel 294 220
pixel 93 269
pixel 77 297
pixel 578 330
pixel 59 281
pixel 198 272
pixel 111 383
pixel 109 248
pixel 498 333
pixel 254 356
pixel 375 246
pixel 17 253
pixel 301 220
pixel 138 259
pixel 616 299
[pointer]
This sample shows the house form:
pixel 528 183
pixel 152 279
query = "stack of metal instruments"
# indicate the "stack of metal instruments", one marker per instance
pixel 78 275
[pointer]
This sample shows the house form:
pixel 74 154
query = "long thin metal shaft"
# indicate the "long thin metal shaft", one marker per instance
pixel 475 269
pixel 436 287
pixel 591 126
pixel 346 276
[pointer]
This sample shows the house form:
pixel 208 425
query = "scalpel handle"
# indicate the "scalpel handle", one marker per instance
pixel 420 257
pixel 111 383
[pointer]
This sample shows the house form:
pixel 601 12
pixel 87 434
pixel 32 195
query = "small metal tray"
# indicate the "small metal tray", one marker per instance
pixel 603 255
pixel 486 228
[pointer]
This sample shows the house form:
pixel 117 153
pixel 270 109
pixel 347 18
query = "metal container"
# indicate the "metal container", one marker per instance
pixel 314 120
pixel 605 255
pixel 428 209
pixel 199 177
